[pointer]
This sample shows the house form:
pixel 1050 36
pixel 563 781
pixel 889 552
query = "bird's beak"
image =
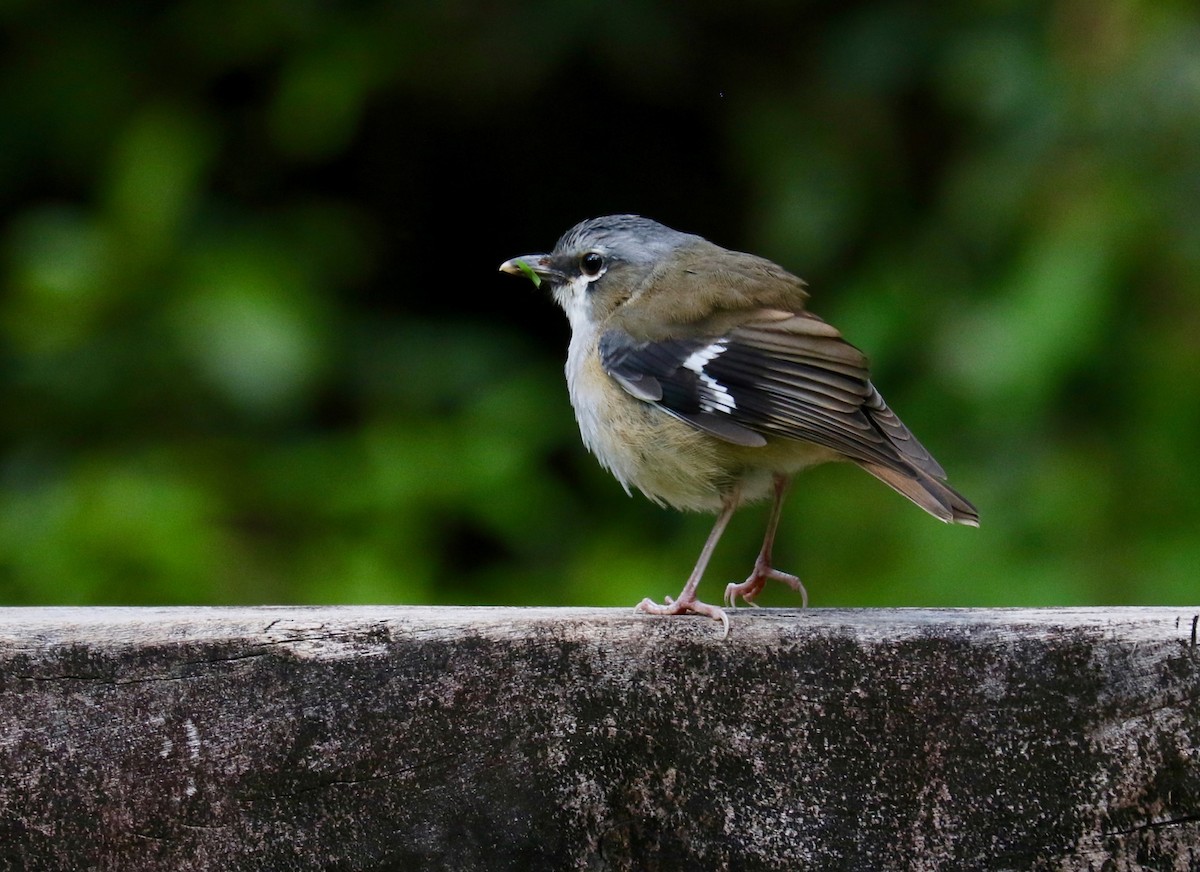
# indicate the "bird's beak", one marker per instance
pixel 536 266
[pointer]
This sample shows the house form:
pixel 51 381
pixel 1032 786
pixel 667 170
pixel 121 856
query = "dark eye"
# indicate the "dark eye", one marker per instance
pixel 591 264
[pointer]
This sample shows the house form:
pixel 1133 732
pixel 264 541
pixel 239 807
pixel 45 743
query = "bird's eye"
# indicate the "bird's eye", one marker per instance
pixel 591 263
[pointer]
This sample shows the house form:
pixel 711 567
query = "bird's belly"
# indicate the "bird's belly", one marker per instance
pixel 667 460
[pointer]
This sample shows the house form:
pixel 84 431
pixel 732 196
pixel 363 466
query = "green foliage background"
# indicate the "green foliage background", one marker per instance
pixel 254 347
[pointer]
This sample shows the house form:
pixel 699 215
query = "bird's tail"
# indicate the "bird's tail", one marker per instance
pixel 934 496
pixel 915 474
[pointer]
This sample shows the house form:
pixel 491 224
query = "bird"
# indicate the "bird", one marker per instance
pixel 699 377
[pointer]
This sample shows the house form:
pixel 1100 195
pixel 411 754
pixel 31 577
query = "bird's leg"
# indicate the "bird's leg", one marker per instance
pixel 752 586
pixel 687 602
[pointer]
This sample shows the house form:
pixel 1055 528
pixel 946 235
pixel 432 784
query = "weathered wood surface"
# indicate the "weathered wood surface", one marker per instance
pixel 454 738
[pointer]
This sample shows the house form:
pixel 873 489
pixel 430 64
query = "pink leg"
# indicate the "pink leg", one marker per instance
pixel 687 601
pixel 753 586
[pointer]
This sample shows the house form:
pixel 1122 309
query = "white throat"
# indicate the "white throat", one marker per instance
pixel 573 297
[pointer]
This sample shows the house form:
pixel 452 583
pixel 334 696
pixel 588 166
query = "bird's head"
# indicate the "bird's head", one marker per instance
pixel 600 263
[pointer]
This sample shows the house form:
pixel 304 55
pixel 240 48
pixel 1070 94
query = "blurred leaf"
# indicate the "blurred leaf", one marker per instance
pixel 250 329
pixel 112 532
pixel 154 179
pixel 59 267
pixel 321 93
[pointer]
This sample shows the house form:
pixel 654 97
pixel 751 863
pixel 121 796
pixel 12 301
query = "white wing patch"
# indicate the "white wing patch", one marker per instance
pixel 717 398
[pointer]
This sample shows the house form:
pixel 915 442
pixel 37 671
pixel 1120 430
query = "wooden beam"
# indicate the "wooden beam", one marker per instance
pixel 476 738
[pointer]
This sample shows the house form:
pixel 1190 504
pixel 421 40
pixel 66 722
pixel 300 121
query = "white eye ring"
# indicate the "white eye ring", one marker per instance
pixel 592 264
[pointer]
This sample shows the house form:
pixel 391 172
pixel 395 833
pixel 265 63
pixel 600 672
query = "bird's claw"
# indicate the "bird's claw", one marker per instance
pixel 749 589
pixel 680 607
pixel 747 592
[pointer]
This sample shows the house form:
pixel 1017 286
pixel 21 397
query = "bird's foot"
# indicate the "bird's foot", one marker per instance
pixel 749 589
pixel 685 606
